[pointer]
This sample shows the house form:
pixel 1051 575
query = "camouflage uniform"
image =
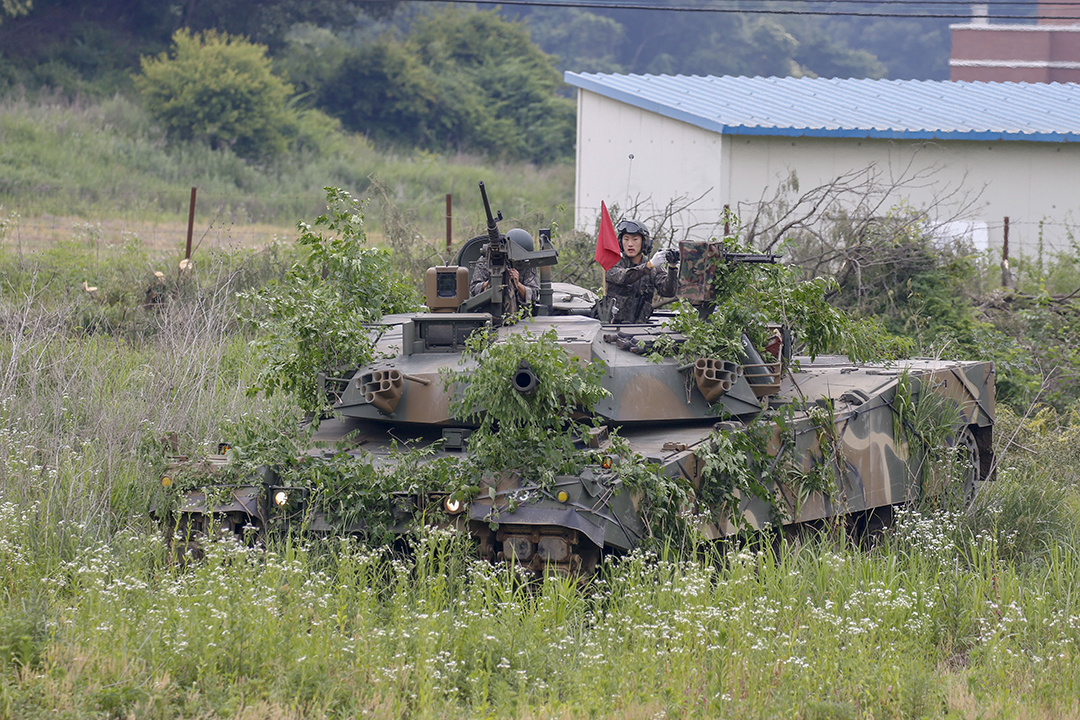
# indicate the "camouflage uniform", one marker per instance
pixel 511 299
pixel 631 289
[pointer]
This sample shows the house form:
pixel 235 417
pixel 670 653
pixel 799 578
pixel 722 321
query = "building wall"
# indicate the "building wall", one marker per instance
pixel 674 162
pixel 1015 53
pixel 973 182
pixel 979 182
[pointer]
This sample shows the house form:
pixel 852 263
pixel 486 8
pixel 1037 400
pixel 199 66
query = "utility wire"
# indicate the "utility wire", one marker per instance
pixel 737 10
pixel 962 3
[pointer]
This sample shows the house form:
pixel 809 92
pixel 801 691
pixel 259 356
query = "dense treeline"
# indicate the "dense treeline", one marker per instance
pixel 460 78
pixel 741 44
pixel 591 40
pixel 441 77
pixel 452 80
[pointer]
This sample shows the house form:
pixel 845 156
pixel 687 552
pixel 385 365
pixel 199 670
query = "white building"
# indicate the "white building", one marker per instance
pixel 974 153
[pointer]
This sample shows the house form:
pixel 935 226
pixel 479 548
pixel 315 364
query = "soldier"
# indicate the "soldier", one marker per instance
pixel 524 284
pixel 631 282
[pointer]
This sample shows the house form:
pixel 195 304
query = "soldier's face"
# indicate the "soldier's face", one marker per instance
pixel 631 245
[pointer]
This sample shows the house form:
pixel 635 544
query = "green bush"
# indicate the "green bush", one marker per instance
pixel 383 90
pixel 219 89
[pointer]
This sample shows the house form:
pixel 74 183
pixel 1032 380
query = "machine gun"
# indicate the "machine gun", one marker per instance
pixel 503 255
pixel 497 259
pixel 699 261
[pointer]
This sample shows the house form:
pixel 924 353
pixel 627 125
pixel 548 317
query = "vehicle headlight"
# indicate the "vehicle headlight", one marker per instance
pixel 281 497
pixel 452 505
pixel 563 496
pixel 166 482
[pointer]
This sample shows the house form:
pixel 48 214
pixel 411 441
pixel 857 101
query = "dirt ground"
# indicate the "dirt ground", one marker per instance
pixel 33 234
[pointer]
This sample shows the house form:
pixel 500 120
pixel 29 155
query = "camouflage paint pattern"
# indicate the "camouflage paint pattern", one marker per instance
pixel 660 409
pixel 696 269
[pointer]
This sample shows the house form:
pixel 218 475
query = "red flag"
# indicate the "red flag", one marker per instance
pixel 607 243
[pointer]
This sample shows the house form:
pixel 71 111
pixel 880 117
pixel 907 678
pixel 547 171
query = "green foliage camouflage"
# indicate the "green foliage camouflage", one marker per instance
pixel 759 460
pixel 349 490
pixel 531 434
pixel 317 318
pixel 749 297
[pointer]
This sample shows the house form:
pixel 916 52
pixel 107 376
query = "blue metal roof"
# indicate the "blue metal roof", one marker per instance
pixel 851 107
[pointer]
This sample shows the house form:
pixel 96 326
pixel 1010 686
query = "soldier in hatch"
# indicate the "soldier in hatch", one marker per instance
pixel 523 286
pixel 632 282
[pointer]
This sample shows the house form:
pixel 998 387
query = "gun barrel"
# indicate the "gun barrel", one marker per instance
pixel 492 223
pixel 752 258
pixel 525 380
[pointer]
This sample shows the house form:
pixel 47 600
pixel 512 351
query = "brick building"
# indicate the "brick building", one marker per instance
pixel 1046 51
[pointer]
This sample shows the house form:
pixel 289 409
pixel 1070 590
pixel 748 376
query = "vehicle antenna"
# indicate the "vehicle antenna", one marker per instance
pixel 629 174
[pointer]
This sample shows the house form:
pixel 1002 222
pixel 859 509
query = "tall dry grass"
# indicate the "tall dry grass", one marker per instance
pixel 87 396
pixel 105 159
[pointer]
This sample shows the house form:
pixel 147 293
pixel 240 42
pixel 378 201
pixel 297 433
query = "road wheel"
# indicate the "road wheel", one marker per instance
pixel 968 464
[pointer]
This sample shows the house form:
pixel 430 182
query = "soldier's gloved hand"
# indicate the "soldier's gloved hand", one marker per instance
pixel 659 259
pixel 673 257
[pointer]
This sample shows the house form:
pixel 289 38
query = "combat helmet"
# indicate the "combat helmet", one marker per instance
pixel 633 227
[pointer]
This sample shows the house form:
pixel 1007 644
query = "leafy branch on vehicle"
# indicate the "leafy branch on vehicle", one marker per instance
pixel 530 432
pixel 751 297
pixel 317 319
pixel 927 423
pixel 351 491
pixel 762 460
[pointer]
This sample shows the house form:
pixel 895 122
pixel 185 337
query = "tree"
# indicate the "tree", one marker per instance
pixel 383 90
pixel 462 80
pixel 824 58
pixel 268 21
pixel 740 44
pixel 584 41
pixel 220 89
pixel 910 48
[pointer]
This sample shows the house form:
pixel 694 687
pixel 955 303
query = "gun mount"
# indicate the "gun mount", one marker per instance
pixel 500 255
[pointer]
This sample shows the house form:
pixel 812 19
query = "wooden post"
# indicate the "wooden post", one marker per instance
pixel 190 225
pixel 449 228
pixel 1006 273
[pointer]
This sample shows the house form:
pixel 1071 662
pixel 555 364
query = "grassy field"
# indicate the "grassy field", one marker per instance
pixel 969 613
pixel 102 168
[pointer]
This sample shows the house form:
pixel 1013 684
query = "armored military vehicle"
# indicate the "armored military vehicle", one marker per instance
pixel 830 438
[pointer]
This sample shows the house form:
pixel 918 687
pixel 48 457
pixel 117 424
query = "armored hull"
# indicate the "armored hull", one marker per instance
pixel 813 415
